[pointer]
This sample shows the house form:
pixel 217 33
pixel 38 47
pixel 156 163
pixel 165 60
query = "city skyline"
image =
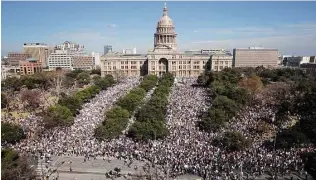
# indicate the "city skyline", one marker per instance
pixel 199 25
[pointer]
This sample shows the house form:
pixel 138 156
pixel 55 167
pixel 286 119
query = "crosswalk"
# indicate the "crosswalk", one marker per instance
pixel 40 168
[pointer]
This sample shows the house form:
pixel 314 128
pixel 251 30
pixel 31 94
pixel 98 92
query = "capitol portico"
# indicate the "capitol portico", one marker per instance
pixel 163 58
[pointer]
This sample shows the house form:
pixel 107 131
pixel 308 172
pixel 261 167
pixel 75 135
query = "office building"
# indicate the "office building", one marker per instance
pixel 59 59
pixel 296 61
pixel 82 62
pixel 163 58
pixel 134 50
pixel 15 57
pixel 254 57
pixel 96 57
pixel 64 57
pixel 39 51
pixel 107 49
pixel 219 62
pixel 30 66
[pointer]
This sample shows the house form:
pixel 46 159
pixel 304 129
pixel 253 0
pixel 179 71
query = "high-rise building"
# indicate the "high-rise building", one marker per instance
pixel 254 57
pixel 15 57
pixel 107 49
pixel 39 51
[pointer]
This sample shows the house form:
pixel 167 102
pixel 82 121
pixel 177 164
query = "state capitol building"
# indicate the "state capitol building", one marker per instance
pixel 163 58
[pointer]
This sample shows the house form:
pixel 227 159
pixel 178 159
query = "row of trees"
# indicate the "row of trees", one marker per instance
pixel 51 79
pixel 62 114
pixel 230 90
pixel 116 119
pixel 150 119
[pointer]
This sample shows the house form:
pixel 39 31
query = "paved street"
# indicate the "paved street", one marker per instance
pixel 96 169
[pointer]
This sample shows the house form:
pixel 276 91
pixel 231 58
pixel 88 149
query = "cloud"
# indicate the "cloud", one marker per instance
pixel 289 39
pixel 286 44
pixel 235 30
pixel 112 26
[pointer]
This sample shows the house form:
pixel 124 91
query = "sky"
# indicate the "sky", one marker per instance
pixel 287 26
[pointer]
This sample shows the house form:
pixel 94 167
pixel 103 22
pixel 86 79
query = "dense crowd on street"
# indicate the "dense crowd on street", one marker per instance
pixel 185 150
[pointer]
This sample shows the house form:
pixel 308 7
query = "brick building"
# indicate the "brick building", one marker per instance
pixel 30 66
pixel 15 57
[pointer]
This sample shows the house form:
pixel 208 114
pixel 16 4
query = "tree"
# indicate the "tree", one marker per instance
pixel 252 83
pixel 290 138
pixel 58 116
pixel 71 102
pixel 73 74
pixel 227 105
pixel 240 95
pixel 104 83
pixel 96 71
pixel 31 98
pixel 214 121
pixel 149 82
pixel 83 78
pixel 4 100
pixel 144 131
pixel 131 101
pixel 117 113
pixel 114 124
pixel 12 83
pixel 14 166
pixel 11 133
pixel 235 141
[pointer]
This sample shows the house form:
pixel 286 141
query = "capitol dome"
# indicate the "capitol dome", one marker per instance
pixel 165 36
pixel 165 20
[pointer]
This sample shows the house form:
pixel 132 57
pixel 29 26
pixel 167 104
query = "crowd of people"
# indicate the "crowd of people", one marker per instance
pixel 185 150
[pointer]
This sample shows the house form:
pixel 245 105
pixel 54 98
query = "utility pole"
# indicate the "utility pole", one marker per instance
pixel 167 170
pixel 241 173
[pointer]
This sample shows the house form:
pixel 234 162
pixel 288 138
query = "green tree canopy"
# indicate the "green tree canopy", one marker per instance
pixel 14 166
pixel 227 105
pixel 71 102
pixel 235 141
pixel 58 115
pixel 11 133
pixel 143 131
pixel 83 78
pixel 117 112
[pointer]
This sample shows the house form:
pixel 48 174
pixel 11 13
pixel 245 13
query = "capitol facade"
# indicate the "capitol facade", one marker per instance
pixel 163 58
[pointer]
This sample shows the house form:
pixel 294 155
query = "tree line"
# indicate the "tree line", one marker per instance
pixel 62 114
pixel 116 119
pixel 150 119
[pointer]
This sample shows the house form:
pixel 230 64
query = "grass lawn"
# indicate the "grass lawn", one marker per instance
pixel 15 114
